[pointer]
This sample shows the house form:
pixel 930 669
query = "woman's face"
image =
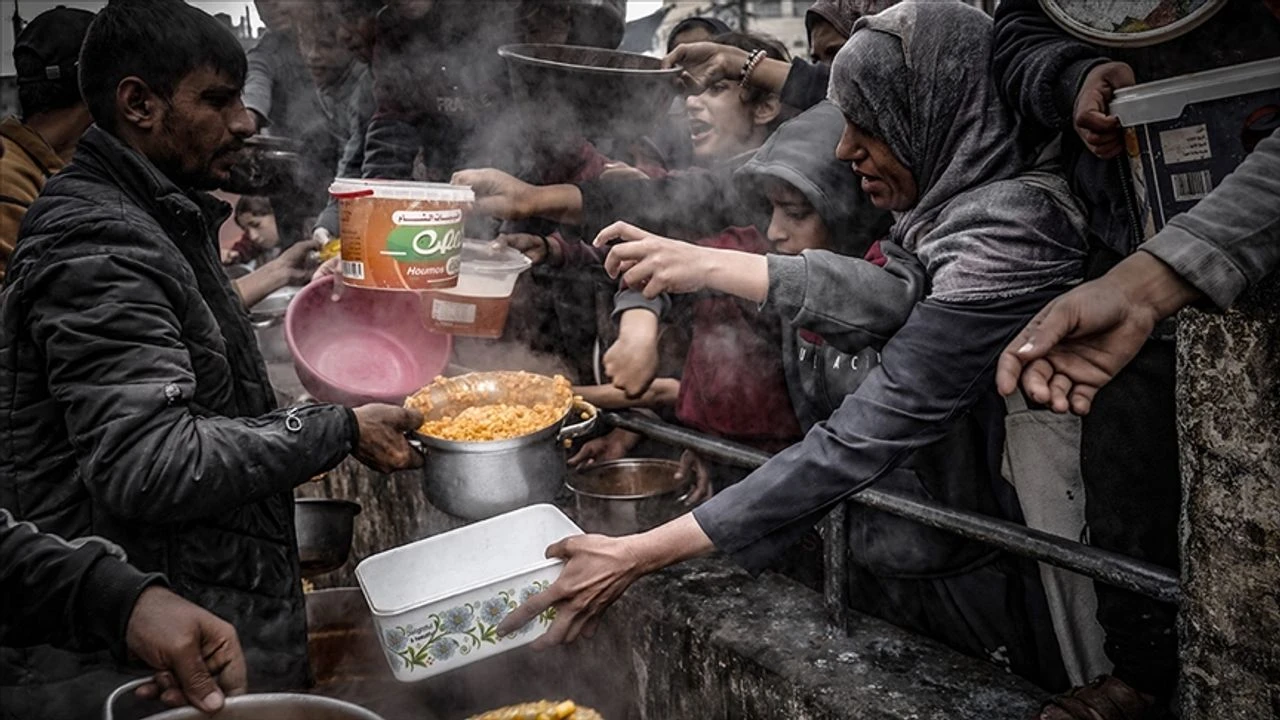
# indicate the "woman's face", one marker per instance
pixel 796 225
pixel 885 180
pixel 824 42
pixel 722 124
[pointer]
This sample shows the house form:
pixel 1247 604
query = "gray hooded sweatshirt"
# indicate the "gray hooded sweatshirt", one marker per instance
pixel 837 310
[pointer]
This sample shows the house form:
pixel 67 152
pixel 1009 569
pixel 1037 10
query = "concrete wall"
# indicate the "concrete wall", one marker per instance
pixel 1229 418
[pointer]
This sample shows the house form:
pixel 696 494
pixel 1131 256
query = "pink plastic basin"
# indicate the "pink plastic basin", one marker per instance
pixel 368 346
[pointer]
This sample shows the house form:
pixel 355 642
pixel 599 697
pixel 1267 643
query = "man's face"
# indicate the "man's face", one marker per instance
pixel 202 131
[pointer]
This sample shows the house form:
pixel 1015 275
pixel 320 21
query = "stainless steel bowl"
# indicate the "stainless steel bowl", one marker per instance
pixel 624 497
pixel 265 706
pixel 324 528
pixel 478 480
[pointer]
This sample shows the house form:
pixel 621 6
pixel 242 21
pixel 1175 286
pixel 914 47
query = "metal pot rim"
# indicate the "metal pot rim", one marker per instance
pixel 354 507
pixel 623 462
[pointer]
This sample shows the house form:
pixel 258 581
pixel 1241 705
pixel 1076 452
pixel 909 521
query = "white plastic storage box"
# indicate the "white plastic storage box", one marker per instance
pixel 437 602
pixel 1184 135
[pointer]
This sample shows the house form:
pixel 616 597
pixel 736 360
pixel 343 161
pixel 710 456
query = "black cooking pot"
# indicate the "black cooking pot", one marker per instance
pixel 268 165
pixel 605 92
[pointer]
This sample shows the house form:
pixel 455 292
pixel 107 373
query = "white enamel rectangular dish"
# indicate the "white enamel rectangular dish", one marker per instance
pixel 437 602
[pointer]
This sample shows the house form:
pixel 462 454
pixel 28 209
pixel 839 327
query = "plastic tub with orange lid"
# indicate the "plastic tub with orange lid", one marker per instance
pixel 401 235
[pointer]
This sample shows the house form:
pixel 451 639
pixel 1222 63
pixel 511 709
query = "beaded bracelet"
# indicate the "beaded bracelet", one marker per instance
pixel 753 60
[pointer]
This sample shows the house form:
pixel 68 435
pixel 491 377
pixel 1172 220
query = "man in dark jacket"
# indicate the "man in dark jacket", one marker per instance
pixel 136 405
pixel 1129 452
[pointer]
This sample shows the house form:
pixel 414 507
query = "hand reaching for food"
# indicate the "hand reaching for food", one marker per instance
pixel 613 446
pixel 632 361
pixel 693 466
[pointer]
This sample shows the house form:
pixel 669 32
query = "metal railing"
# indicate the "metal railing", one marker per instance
pixel 1109 567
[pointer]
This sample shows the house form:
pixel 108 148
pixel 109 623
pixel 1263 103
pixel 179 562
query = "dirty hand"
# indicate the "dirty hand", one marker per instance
pixel 597 571
pixel 705 64
pixel 1101 131
pixel 498 194
pixel 537 248
pixel 613 446
pixel 295 266
pixel 197 653
pixel 632 361
pixel 653 264
pixel 383 445
pixel 692 464
pixel 1081 339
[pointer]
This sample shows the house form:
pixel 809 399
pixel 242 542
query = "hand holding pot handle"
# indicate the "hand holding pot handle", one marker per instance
pixel 383 444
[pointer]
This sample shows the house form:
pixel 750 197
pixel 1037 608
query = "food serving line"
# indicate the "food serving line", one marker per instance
pixel 383 332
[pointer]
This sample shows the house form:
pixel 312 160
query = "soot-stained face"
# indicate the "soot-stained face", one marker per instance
pixel 795 225
pixel 885 180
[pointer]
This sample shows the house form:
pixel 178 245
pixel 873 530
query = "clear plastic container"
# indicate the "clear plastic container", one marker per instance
pixel 478 305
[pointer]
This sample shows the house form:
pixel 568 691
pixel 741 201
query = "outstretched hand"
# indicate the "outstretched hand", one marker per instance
pixel 1082 339
pixel 651 263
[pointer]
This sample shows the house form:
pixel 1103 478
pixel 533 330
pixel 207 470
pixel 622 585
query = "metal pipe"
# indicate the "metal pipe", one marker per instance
pixel 1109 567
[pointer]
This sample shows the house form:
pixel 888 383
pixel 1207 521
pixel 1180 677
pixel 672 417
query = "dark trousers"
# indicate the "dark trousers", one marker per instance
pixel 1129 462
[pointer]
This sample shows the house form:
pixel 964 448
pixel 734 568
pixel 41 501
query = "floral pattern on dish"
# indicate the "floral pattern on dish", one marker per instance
pixel 462 629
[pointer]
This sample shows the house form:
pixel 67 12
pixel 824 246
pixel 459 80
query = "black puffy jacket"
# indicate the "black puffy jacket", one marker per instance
pixel 134 405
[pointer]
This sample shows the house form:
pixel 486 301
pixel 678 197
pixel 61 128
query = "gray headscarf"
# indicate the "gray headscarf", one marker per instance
pixel 987 223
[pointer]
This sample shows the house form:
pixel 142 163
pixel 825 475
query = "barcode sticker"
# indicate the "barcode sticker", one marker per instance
pixel 353 269
pixel 452 312
pixel 1192 185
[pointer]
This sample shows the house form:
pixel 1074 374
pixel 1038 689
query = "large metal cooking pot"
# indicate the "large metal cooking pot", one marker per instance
pixel 268 324
pixel 265 706
pixel 605 91
pixel 324 528
pixel 624 497
pixel 478 480
pixel 267 165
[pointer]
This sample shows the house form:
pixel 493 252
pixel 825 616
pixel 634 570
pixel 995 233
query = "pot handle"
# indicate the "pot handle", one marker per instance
pixel 576 430
pixel 120 692
pixel 415 442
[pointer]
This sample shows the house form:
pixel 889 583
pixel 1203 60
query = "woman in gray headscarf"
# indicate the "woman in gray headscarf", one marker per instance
pixel 998 239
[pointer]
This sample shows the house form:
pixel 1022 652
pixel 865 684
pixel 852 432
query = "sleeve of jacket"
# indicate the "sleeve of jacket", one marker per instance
pixel 391 144
pixel 850 302
pixel 69 595
pixel 806 84
pixel 120 369
pixel 1231 239
pixel 351 162
pixel 260 78
pixel 629 299
pixel 1038 68
pixel 934 369
pixel 689 204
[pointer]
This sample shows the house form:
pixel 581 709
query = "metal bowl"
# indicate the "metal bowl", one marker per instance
pixel 324 529
pixel 267 165
pixel 607 91
pixel 624 497
pixel 265 706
